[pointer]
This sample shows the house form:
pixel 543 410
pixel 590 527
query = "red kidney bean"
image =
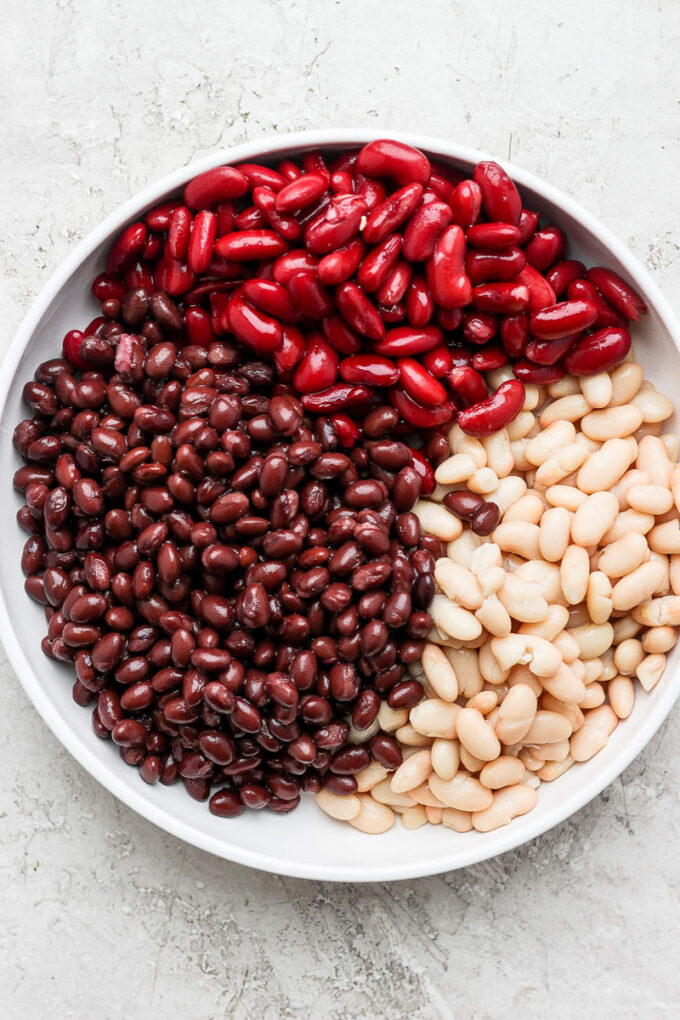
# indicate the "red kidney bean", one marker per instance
pixel 318 369
pixel 418 416
pixel 336 225
pixel 378 263
pixel 387 158
pixel 389 214
pixel 247 245
pixel 254 328
pixel 293 262
pixel 404 341
pixel 617 292
pixel 368 368
pixel 310 298
pixel 597 352
pixel 340 336
pixel 126 248
pixel 340 265
pixel 358 312
pixel 549 352
pixel 301 192
pixel 178 233
pixel 545 248
pixel 479 327
pixel 514 334
pixel 583 290
pixel 419 303
pixel 501 297
pixel 466 203
pixel 394 287
pixel 495 412
pixel 419 384
pixel 438 361
pixel 489 359
pixel 563 273
pixel 445 270
pixel 468 386
pixel 500 197
pixel 532 373
pixel 494 266
pixel 423 229
pixel 201 241
pixel 493 235
pixel 425 472
pixel 217 185
pixel 541 294
pixel 562 319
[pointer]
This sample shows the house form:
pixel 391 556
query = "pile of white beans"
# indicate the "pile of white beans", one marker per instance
pixel 544 630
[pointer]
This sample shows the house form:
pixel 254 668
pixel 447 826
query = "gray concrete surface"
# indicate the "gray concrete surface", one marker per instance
pixel 101 914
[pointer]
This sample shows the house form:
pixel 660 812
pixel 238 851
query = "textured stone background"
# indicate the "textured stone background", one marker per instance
pixel 102 914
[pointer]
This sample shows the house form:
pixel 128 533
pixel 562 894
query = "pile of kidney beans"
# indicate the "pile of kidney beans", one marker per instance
pixel 221 468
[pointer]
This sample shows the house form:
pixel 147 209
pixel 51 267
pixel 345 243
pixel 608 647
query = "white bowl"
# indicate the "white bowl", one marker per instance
pixel 306 843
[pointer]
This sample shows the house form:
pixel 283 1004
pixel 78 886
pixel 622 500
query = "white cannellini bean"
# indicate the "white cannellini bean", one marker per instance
pixel 652 457
pixel 569 408
pixel 650 499
pixel 520 426
pixel 598 724
pixel 594 518
pixel 459 821
pixel 476 735
pixel 390 719
pixel 631 478
pixel 483 481
pixel 494 617
pixel 621 693
pixel 568 384
pixel 529 508
pixel 561 464
pixel 594 696
pixel 650 671
pixel 504 771
pixel 612 422
pixel 465 664
pixel 665 538
pixel 458 583
pixel 424 795
pixel 628 656
pixel 574 573
pixel 498 454
pixel 522 599
pixel 412 772
pixel 661 612
pixel 629 520
pixel 551 626
pixel 516 714
pixel 558 750
pixel 463 792
pixel 507 492
pixel 626 381
pixel 554 533
pixel 549 441
pixel 624 555
pixel 597 389
pixel 461 549
pixel 565 685
pixel 567 647
pixel 593 639
pixel 554 769
pixel 342 808
pixel 548 728
pixel 659 639
pixel 540 655
pixel 489 668
pixel 672 444
pixel 384 794
pixel 434 815
pixel 370 776
pixel 469 761
pixel 406 734
pixel 508 803
pixel 637 586
pixel 445 758
pixel 603 468
pixel 440 674
pixel 435 718
pixel 655 406
pixel 412 818
pixel 438 520
pixel 373 817
pixel 571 711
pixel 565 496
pixel 490 580
pixel 518 537
pixel 599 597
pixel 453 620
pixel 454 469
pixel 484 702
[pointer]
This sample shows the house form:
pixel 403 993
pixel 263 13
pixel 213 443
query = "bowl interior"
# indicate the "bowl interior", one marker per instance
pixel 305 843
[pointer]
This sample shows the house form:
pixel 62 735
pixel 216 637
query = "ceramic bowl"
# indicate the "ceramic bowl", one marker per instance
pixel 305 843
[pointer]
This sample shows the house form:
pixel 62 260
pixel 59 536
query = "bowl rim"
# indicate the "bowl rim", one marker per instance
pixel 505 839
